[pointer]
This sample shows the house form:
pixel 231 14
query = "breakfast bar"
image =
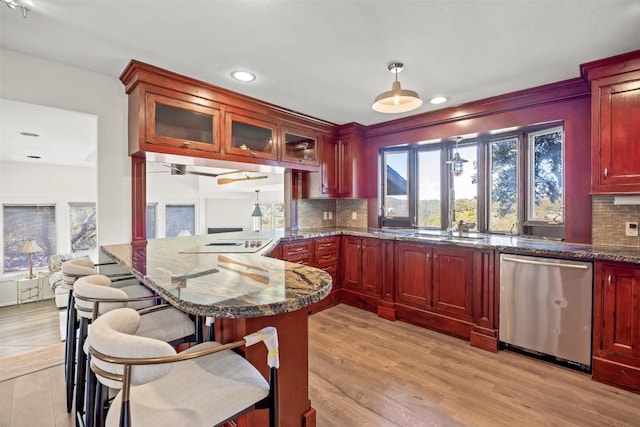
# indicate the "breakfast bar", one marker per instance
pixel 243 292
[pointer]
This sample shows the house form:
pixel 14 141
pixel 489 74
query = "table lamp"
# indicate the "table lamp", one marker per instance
pixel 30 247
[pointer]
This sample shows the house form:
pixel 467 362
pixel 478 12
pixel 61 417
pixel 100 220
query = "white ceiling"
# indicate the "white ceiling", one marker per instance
pixel 329 58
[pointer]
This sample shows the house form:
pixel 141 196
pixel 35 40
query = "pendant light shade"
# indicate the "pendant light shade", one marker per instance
pixel 256 215
pixel 397 100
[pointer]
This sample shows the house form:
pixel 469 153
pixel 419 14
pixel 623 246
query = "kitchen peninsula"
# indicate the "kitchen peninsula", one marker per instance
pixel 243 292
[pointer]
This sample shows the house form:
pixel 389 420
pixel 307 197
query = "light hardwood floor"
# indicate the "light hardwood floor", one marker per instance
pixel 366 371
pixel 28 327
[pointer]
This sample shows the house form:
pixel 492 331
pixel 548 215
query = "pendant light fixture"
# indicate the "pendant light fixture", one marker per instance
pixel 397 100
pixel 256 215
pixel 457 162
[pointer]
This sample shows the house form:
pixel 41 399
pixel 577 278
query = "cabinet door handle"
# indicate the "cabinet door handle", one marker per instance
pixel 363 248
pixel 186 143
pixel 609 280
pixel 606 172
pixel 254 154
pixel 435 256
pixel 428 257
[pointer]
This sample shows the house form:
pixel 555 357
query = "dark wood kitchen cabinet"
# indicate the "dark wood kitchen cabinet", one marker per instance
pixel 250 136
pixel 299 146
pixel 362 272
pixel 452 281
pixel 615 127
pixel 434 287
pixel 414 275
pixel 326 252
pixel 341 166
pixel 616 338
pixel 174 123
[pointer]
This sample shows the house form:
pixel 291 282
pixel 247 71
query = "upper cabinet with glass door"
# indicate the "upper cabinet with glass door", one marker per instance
pixel 250 137
pixel 176 122
pixel 300 146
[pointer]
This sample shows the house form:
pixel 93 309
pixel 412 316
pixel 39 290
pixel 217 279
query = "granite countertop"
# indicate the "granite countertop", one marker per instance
pixel 501 243
pixel 222 285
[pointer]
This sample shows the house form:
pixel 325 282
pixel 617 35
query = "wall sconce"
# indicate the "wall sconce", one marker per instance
pixel 256 215
pixel 30 247
pixel 457 162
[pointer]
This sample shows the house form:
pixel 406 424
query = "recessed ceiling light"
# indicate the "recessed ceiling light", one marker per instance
pixel 29 134
pixel 243 76
pixel 438 99
pixel 34 157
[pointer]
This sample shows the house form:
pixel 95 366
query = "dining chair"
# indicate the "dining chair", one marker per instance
pixel 208 384
pixel 93 297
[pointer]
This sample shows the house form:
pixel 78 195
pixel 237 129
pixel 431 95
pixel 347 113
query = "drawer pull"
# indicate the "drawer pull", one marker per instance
pixel 297 250
pixel 326 256
pixel 326 245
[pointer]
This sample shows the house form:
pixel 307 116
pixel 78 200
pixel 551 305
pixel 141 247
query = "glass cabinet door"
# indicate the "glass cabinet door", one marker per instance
pixel 299 146
pixel 250 137
pixel 181 123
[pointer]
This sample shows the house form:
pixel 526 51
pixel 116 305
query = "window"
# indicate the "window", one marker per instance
pixel 279 216
pixel 180 220
pixel 82 226
pixel 21 222
pixel 545 198
pixel 503 185
pixel 396 184
pixel 429 188
pixel 151 221
pixel 511 182
pixel 267 216
pixel 464 190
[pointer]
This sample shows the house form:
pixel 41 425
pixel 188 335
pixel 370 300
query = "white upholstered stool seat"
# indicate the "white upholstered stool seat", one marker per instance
pixel 205 385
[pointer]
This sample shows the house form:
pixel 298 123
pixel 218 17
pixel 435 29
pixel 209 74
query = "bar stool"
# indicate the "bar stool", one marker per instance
pixel 72 270
pixel 93 297
pixel 205 385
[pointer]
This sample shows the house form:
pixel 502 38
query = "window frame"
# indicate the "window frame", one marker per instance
pixel 524 173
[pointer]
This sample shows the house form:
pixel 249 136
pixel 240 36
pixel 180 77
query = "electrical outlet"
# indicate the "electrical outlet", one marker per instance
pixel 325 215
pixel 354 215
pixel 330 215
pixel 631 229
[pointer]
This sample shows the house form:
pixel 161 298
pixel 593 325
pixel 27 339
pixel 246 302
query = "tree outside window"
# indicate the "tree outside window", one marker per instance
pixel 279 216
pixel 23 222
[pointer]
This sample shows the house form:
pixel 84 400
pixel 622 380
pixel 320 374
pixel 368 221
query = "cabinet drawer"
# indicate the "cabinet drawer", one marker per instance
pixel 324 259
pixel 292 249
pixel 326 245
pixel 300 259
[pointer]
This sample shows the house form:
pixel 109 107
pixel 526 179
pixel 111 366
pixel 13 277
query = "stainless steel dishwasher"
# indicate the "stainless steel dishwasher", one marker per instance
pixel 546 307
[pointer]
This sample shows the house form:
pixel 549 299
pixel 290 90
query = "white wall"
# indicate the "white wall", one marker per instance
pixel 35 80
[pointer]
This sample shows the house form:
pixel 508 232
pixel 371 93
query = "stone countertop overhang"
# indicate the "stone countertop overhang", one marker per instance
pixel 221 285
pixel 502 243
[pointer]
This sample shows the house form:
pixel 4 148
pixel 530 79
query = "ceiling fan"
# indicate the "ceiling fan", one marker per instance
pixel 178 169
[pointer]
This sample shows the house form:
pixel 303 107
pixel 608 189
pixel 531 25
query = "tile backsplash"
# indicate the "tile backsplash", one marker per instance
pixel 311 213
pixel 609 221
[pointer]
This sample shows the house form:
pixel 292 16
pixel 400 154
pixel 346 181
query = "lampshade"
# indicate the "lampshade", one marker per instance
pixel 30 247
pixel 397 100
pixel 256 215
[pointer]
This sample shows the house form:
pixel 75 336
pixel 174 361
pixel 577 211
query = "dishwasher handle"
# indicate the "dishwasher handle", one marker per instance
pixel 549 264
